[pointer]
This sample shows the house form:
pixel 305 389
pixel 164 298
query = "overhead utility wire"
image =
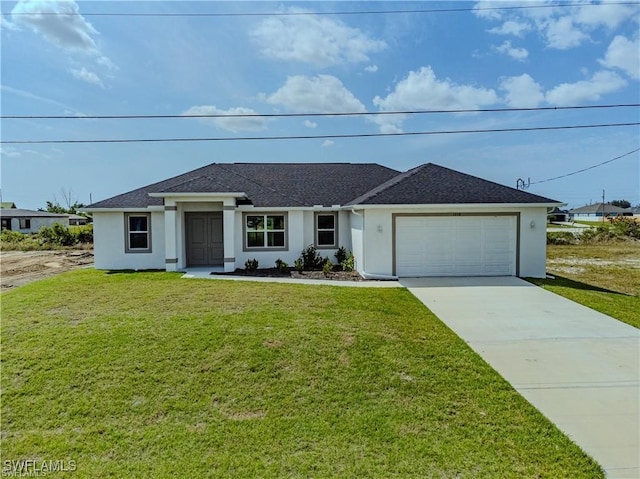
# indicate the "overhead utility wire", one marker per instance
pixel 586 169
pixel 359 12
pixel 311 137
pixel 285 115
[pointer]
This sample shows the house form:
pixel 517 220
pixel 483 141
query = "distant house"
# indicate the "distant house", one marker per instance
pixel 428 221
pixel 29 221
pixel 77 220
pixel 635 211
pixel 557 215
pixel 598 210
pixel 7 205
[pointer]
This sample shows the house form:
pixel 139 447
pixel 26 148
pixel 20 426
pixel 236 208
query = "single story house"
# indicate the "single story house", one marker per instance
pixel 29 221
pixel 77 220
pixel 557 215
pixel 428 221
pixel 598 210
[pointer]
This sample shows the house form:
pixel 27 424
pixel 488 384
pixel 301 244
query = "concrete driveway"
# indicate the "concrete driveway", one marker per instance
pixel 580 368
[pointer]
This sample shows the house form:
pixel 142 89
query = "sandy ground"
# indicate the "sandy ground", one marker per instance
pixel 18 268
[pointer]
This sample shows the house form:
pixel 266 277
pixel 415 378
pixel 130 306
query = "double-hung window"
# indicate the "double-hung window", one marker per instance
pixel 25 223
pixel 265 231
pixel 138 233
pixel 326 230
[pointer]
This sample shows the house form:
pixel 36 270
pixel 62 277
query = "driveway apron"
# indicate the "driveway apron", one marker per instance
pixel 580 368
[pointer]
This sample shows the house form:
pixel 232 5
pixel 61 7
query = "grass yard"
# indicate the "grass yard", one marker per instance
pixel 150 375
pixel 602 276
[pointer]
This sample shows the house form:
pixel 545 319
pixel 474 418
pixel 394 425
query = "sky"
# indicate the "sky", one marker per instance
pixel 533 59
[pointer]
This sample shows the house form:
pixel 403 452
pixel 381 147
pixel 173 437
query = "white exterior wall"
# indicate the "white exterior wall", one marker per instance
pixel 533 242
pixel 356 220
pixel 109 243
pixel 378 236
pixel 37 222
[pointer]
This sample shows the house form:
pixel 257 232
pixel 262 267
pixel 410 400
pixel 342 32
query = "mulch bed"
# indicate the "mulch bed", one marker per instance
pixel 292 273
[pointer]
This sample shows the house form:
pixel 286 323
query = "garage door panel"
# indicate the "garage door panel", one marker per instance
pixel 456 246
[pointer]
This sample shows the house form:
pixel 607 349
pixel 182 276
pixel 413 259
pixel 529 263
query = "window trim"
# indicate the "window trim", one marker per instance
pixel 316 230
pixel 127 233
pixel 245 243
pixel 26 222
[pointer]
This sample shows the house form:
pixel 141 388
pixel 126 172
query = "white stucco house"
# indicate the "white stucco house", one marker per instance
pixel 428 221
pixel 29 221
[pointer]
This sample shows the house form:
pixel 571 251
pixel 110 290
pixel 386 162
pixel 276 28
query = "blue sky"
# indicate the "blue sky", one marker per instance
pixel 58 59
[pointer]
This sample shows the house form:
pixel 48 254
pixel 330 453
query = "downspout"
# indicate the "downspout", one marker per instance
pixel 364 274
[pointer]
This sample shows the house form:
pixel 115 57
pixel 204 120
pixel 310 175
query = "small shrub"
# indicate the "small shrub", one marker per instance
pixel 298 265
pixel 561 237
pixel 600 234
pixel 341 254
pixel 626 226
pixel 9 236
pixel 57 235
pixel 327 267
pixel 251 265
pixel 311 259
pixel 83 233
pixel 349 263
pixel 281 266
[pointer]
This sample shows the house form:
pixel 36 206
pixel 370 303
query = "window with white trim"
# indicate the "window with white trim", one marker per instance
pixel 265 231
pixel 25 223
pixel 327 230
pixel 138 232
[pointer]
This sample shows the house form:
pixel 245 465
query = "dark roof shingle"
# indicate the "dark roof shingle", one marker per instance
pixel 434 184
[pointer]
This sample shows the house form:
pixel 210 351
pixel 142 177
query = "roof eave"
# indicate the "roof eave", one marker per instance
pixel 454 205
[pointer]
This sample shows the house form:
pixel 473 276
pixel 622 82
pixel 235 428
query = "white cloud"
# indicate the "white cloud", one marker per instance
pixel 562 34
pixel 560 27
pixel 606 15
pixel 520 54
pixel 87 76
pixel 599 84
pixel 371 68
pixel 319 40
pixel 624 54
pixel 319 94
pixel 310 124
pixel 59 21
pixel 9 152
pixel 421 90
pixel 511 27
pixel 66 109
pixel 327 143
pixel 234 125
pixel 522 91
pixel 7 25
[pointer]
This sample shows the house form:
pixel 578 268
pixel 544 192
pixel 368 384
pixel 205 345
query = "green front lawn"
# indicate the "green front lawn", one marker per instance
pixel 150 375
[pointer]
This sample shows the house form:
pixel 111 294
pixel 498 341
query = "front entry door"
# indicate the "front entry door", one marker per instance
pixel 205 245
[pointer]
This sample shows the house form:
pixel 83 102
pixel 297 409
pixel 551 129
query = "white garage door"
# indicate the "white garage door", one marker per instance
pixel 455 246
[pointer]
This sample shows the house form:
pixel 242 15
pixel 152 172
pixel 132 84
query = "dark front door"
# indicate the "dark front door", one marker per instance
pixel 205 245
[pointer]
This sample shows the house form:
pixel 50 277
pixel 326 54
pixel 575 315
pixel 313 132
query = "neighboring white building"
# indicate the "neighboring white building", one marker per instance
pixel 597 211
pixel 429 221
pixel 29 221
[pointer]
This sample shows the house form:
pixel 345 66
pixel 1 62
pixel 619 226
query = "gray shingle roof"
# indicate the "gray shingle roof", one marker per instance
pixel 266 184
pixel 434 184
pixel 598 208
pixel 309 184
pixel 20 213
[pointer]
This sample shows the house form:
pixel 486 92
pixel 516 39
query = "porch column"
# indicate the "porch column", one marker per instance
pixel 228 227
pixel 170 244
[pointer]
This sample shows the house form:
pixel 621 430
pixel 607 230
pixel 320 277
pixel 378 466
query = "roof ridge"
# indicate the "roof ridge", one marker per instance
pixel 387 184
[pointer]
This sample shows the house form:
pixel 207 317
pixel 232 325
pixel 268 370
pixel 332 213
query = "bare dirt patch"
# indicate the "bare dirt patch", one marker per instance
pixel 18 268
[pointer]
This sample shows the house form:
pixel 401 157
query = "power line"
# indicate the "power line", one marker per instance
pixel 291 14
pixel 315 137
pixel 286 115
pixel 585 169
